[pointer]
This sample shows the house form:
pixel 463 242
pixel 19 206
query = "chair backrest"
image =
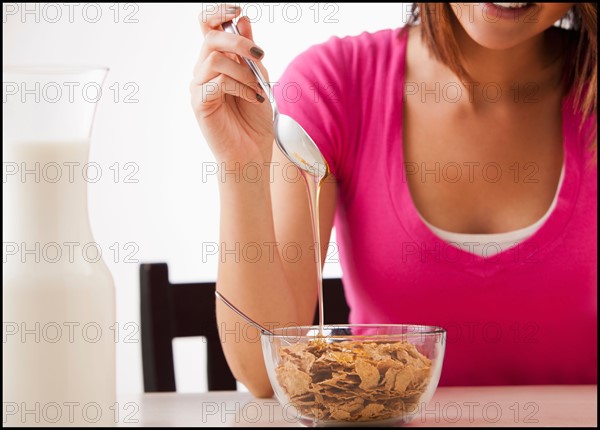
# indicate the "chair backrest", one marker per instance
pixel 171 310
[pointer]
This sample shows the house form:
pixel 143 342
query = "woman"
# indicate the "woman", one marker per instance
pixel 462 149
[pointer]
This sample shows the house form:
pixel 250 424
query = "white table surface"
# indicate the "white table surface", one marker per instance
pixel 560 406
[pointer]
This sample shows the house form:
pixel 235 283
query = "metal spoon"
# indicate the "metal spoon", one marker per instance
pixel 262 329
pixel 291 138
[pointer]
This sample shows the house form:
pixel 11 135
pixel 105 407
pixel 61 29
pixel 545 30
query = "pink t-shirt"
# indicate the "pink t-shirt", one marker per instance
pixel 525 316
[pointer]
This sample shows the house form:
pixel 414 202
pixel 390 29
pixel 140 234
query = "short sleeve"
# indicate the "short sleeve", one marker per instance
pixel 309 91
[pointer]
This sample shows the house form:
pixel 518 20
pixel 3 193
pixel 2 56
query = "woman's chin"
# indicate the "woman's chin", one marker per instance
pixel 496 40
pixel 498 27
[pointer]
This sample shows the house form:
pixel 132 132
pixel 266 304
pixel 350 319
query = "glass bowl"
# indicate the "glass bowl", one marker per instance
pixel 354 374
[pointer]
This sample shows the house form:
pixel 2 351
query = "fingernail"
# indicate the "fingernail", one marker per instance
pixel 260 98
pixel 257 52
pixel 232 9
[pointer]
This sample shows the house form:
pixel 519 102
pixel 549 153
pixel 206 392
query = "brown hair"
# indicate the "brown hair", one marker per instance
pixel 580 69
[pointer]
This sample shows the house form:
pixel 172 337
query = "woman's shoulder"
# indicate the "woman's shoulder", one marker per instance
pixel 328 87
pixel 348 60
pixel 362 47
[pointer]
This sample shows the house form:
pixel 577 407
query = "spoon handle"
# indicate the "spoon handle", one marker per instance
pixel 243 315
pixel 232 28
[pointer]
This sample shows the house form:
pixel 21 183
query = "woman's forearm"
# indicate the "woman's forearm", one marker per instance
pixel 251 274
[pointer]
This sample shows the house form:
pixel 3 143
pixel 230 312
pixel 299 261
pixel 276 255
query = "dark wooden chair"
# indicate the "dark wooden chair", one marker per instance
pixel 171 310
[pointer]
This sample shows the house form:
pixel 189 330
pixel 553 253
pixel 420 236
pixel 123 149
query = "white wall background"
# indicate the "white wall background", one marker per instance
pixel 172 210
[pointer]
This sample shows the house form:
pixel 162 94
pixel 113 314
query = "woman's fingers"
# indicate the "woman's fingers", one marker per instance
pixel 216 88
pixel 212 16
pixel 245 27
pixel 246 30
pixel 218 63
pixel 219 71
pixel 217 40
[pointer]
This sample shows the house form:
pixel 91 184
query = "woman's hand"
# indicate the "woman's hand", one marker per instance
pixel 230 106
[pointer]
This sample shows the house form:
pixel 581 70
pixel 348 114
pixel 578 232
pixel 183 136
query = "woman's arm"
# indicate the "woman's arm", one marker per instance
pixel 266 266
pixel 280 288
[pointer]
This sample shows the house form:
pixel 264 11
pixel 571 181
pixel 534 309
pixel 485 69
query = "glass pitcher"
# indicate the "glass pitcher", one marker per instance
pixel 58 295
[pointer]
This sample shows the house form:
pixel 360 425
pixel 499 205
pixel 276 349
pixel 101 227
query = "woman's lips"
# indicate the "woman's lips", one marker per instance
pixel 514 11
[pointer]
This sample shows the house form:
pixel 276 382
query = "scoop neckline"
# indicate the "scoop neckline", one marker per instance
pixel 504 237
pixel 529 251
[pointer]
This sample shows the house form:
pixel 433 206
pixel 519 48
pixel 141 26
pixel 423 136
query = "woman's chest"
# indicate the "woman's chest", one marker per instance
pixel 484 172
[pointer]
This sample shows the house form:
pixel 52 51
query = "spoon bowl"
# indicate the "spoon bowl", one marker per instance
pixel 298 147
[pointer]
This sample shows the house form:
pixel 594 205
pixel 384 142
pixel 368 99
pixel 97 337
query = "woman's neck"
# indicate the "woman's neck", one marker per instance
pixel 536 61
